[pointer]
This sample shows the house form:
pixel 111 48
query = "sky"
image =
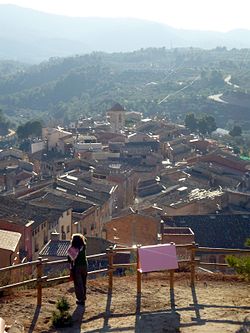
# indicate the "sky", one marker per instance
pixel 213 15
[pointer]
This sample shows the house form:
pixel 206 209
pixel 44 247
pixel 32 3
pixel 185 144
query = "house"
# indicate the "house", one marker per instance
pixel 106 137
pixel 118 173
pixel 58 140
pixel 52 164
pixel 34 223
pixel 214 231
pixel 84 214
pixel 13 153
pixel 237 201
pixel 100 194
pixel 140 148
pixel 15 169
pixel 141 137
pixel 133 228
pixel 178 152
pixel 86 143
pixel 148 187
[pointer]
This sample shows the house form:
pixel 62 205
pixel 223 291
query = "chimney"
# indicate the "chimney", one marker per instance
pixel 54 236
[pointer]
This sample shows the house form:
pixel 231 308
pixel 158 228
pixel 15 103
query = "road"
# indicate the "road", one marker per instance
pixel 217 97
pixel 176 92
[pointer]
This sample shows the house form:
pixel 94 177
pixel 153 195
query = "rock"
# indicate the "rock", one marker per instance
pixel 16 328
pixel 2 325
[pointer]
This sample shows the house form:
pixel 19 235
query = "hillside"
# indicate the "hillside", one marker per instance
pixel 168 83
pixel 216 304
pixel 33 36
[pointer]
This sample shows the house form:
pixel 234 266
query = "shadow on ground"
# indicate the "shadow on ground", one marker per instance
pixel 168 321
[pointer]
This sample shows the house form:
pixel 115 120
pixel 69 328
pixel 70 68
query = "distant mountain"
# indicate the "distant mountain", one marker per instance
pixel 32 36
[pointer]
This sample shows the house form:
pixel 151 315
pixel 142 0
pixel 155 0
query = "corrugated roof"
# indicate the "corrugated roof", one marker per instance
pixel 9 240
pixel 55 248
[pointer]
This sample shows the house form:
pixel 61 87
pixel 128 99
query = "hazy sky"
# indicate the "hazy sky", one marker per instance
pixel 220 15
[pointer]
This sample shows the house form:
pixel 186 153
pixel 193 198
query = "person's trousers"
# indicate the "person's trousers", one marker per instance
pixel 80 280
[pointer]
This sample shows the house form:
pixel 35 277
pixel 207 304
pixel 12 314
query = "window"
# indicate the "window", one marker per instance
pixel 68 229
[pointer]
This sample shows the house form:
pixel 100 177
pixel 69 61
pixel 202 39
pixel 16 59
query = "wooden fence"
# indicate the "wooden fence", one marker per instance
pixel 40 264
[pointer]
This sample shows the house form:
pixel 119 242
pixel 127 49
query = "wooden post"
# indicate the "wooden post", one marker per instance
pixel 172 274
pixel 193 263
pixel 138 273
pixel 110 267
pixel 162 231
pixel 39 272
pixel 171 278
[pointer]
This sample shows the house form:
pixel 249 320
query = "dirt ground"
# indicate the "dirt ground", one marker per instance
pixel 216 304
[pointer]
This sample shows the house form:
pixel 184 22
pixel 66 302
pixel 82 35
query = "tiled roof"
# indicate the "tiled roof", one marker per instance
pixel 117 107
pixel 151 144
pixel 57 199
pixel 9 240
pixel 226 231
pixel 92 195
pixel 55 248
pixel 21 212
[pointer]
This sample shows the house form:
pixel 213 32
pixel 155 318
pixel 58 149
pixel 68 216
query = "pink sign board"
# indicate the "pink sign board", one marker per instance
pixel 157 257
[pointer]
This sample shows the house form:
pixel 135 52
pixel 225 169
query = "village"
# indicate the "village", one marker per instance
pixel 121 180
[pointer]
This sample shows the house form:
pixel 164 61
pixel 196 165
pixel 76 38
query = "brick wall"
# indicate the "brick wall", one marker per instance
pixel 132 229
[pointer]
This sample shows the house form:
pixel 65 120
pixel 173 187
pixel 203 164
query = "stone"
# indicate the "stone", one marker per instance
pixel 16 328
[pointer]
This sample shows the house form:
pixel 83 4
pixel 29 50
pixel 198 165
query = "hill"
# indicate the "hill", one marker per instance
pixel 154 81
pixel 216 304
pixel 32 36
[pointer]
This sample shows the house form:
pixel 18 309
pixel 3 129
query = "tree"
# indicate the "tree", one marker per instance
pixel 191 122
pixel 202 126
pixel 216 78
pixel 36 128
pixel 31 128
pixel 236 150
pixel 4 124
pixel 211 124
pixel 235 131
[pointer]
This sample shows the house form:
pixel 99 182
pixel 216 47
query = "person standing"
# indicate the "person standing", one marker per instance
pixel 78 266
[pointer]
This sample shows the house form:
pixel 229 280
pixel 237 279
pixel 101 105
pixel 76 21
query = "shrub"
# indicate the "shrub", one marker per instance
pixel 61 317
pixel 242 264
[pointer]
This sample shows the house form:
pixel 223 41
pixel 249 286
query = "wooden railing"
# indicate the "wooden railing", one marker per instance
pixel 40 264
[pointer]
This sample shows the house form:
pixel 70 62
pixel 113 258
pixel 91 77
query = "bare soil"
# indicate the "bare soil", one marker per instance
pixel 217 303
